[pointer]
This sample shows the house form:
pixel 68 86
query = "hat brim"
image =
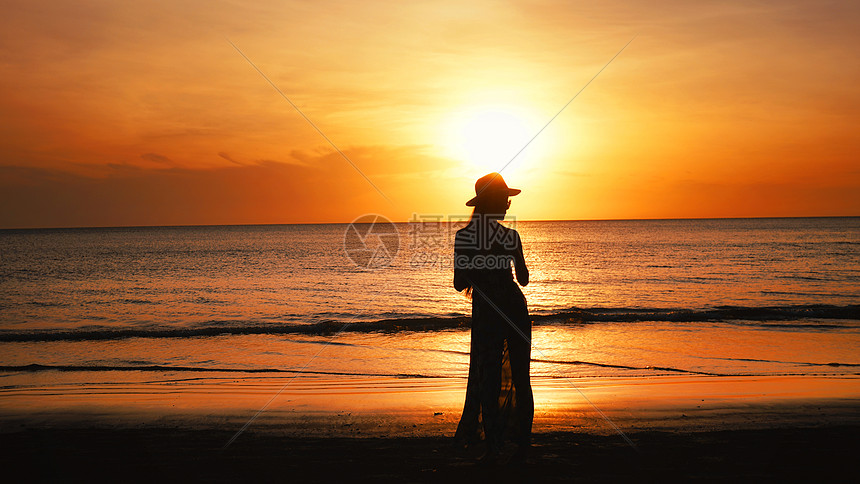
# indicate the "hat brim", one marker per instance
pixel 510 193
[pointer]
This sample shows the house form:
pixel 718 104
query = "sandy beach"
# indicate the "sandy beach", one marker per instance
pixel 399 429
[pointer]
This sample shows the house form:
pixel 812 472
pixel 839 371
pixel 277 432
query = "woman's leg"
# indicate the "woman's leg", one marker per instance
pixel 467 430
pixel 490 385
pixel 520 354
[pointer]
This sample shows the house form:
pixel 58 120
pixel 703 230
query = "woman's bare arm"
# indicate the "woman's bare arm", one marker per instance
pixel 520 264
pixel 460 280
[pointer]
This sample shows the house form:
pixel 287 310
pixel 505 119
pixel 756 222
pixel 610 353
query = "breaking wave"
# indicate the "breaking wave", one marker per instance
pixel 801 318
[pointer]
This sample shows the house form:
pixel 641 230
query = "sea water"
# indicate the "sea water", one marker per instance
pixel 608 298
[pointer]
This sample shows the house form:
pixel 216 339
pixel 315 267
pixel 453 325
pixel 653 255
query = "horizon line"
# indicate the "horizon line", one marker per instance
pixel 656 219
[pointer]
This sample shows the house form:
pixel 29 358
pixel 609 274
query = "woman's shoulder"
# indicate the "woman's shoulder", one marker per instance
pixel 468 229
pixel 475 235
pixel 509 237
pixel 509 230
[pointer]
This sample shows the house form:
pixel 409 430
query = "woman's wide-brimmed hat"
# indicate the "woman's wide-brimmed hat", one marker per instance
pixel 490 186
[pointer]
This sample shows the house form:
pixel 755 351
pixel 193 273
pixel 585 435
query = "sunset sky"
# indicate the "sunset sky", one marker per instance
pixel 119 113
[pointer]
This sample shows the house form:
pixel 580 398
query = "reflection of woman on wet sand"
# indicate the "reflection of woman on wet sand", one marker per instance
pixel 498 394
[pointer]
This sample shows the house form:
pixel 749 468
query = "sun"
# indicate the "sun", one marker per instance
pixel 488 138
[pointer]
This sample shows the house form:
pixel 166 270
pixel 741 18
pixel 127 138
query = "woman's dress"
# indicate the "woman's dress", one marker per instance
pixel 499 402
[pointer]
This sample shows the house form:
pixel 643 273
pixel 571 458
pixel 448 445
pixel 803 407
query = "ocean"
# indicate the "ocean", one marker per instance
pixel 609 298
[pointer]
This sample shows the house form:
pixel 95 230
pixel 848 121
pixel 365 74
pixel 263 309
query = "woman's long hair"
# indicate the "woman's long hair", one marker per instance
pixel 478 214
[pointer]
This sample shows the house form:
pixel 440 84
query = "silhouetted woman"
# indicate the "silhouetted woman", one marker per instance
pixel 499 398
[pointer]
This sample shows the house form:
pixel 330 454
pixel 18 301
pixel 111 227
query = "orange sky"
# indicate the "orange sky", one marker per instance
pixel 142 113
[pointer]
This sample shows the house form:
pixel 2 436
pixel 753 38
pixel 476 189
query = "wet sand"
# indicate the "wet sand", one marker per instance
pixel 825 454
pixel 132 427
